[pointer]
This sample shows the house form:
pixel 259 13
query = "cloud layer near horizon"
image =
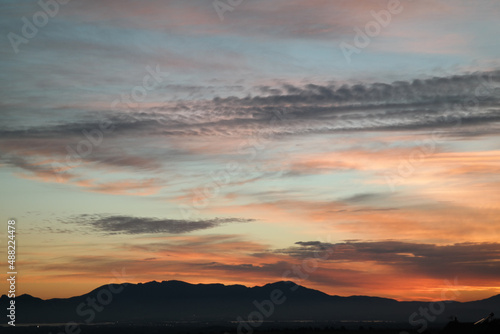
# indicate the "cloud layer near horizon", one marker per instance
pixel 336 268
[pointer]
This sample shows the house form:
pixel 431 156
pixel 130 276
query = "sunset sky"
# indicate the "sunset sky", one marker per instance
pixel 216 143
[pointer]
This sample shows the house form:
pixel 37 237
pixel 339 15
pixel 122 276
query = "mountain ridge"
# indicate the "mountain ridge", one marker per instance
pixel 493 297
pixel 279 301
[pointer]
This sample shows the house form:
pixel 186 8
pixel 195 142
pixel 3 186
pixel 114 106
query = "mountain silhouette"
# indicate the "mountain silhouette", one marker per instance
pixel 281 301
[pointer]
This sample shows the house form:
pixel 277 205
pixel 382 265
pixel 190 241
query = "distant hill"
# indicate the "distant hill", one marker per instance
pixel 181 301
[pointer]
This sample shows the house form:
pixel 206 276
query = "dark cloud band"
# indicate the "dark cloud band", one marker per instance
pixel 115 224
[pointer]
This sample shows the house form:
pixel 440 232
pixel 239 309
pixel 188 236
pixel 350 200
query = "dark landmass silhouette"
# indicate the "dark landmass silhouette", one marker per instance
pixel 177 302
